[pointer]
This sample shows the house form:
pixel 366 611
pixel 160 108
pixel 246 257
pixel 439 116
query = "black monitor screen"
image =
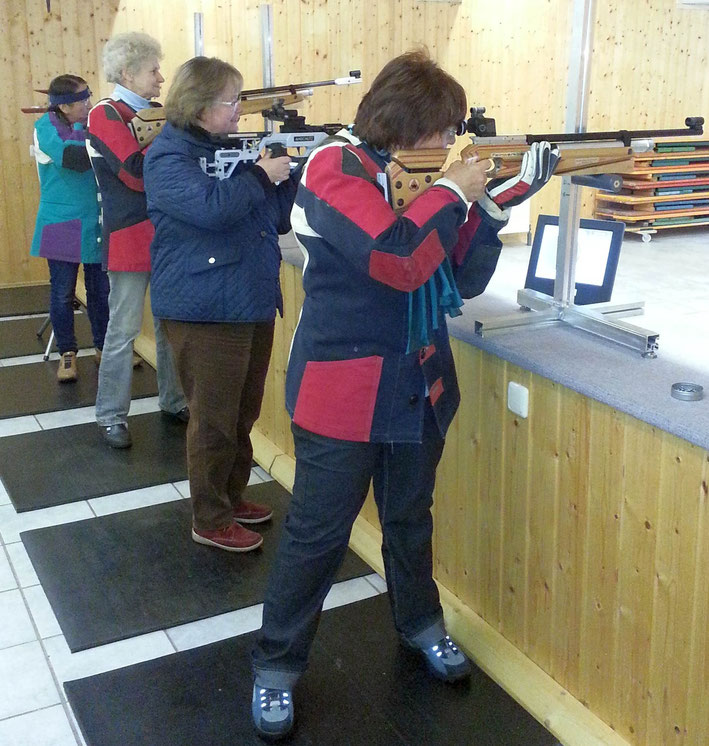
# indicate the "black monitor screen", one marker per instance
pixel 599 244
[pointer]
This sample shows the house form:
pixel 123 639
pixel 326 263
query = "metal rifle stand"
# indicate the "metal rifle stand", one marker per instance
pixel 601 319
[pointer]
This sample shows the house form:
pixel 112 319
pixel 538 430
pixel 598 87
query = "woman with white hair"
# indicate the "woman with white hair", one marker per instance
pixel 132 62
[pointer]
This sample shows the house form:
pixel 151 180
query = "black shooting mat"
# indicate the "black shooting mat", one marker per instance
pixel 19 336
pixel 361 687
pixel 67 464
pixel 33 388
pixel 129 573
pixel 22 300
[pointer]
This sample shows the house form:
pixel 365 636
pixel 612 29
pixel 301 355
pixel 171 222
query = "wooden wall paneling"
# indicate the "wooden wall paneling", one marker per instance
pixel 697 703
pixel 641 487
pixel 492 406
pixel 20 173
pixel 543 521
pixel 286 43
pixel 571 538
pixel 515 515
pixel 468 453
pixel 8 113
pixel 605 474
pixel 105 20
pixel 677 536
pixel 218 35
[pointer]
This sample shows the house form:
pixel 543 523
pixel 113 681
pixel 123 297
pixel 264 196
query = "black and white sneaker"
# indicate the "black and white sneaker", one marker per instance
pixel 272 712
pixel 446 661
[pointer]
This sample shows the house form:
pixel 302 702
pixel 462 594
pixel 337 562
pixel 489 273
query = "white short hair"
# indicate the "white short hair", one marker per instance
pixel 128 52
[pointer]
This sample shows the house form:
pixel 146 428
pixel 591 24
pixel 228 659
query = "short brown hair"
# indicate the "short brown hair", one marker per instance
pixel 411 98
pixel 198 84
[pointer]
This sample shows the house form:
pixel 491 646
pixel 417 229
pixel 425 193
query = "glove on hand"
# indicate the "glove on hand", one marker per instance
pixel 538 165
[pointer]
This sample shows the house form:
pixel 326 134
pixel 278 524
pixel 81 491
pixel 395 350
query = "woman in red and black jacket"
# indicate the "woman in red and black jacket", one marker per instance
pixel 132 62
pixel 371 384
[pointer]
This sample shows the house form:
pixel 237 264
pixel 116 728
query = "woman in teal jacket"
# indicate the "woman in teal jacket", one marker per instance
pixel 67 230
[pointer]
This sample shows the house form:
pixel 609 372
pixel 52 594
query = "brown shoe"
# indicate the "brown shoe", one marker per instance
pixel 247 512
pixel 233 538
pixel 66 371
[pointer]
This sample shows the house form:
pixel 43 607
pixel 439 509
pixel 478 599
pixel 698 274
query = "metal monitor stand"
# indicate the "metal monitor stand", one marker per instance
pixel 601 319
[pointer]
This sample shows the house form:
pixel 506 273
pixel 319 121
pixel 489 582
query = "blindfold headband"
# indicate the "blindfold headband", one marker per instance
pixel 69 98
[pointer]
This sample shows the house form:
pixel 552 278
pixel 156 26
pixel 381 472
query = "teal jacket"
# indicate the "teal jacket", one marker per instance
pixel 67 226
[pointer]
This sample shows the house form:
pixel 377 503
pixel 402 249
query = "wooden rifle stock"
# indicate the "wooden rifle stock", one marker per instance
pixel 411 172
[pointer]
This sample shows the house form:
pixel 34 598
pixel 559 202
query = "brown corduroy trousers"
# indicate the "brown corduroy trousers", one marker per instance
pixel 222 369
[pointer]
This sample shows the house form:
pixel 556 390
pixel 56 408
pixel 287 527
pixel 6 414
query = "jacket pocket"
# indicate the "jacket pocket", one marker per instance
pixel 61 241
pixel 337 398
pixel 129 248
pixel 204 262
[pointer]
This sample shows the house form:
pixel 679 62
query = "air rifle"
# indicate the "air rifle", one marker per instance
pixel 584 155
pixel 269 102
pixel 294 134
pixel 246 147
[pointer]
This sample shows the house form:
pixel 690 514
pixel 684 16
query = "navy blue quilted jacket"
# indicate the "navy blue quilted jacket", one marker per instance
pixel 215 254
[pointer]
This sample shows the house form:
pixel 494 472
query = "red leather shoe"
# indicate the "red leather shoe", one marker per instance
pixel 248 512
pixel 233 538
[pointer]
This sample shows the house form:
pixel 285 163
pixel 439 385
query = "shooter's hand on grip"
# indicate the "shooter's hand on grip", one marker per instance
pixel 538 165
pixel 277 169
pixel 469 176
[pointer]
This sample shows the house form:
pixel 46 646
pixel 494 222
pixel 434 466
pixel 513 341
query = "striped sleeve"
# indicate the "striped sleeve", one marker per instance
pixel 340 202
pixel 110 137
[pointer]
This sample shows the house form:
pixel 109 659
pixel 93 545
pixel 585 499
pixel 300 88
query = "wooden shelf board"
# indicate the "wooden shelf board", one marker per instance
pixel 632 199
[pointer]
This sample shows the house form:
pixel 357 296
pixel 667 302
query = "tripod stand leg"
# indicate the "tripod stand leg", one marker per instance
pixel 49 346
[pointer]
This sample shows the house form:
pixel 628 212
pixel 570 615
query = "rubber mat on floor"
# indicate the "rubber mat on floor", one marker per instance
pixel 68 464
pixel 33 388
pixel 23 300
pixel 361 688
pixel 19 336
pixel 129 573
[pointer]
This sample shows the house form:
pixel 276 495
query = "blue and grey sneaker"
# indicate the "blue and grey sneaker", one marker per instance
pixel 272 712
pixel 445 661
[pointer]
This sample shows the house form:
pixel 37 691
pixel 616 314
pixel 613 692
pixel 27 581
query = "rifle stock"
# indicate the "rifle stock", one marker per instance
pixel 411 172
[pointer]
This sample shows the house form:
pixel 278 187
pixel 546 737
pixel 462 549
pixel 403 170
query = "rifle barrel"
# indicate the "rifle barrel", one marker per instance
pixel 353 77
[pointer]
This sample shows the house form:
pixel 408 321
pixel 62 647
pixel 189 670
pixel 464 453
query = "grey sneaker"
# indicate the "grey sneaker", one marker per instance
pixel 116 436
pixel 446 661
pixel 272 712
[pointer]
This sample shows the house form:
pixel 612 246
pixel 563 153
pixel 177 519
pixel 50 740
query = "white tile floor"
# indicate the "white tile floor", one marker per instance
pixel 34 657
pixel 669 274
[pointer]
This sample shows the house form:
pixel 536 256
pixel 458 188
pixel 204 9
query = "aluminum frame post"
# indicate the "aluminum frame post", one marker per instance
pixel 577 86
pixel 266 12
pixel 199 34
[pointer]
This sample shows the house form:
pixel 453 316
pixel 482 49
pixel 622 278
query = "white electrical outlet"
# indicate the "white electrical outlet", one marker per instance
pixel 518 399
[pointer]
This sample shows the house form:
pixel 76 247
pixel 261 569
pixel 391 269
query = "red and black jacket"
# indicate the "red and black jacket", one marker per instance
pixel 117 160
pixel 349 375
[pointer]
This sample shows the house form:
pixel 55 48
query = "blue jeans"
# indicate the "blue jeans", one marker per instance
pixel 331 482
pixel 125 302
pixel 62 276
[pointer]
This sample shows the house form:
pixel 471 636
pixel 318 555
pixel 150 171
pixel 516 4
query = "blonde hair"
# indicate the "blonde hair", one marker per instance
pixel 198 84
pixel 128 52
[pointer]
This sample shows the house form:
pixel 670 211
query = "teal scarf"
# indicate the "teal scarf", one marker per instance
pixel 440 291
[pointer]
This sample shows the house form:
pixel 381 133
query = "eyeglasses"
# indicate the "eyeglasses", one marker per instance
pixel 234 104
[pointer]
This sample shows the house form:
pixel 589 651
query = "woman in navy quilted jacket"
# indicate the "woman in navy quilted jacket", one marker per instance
pixel 214 284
